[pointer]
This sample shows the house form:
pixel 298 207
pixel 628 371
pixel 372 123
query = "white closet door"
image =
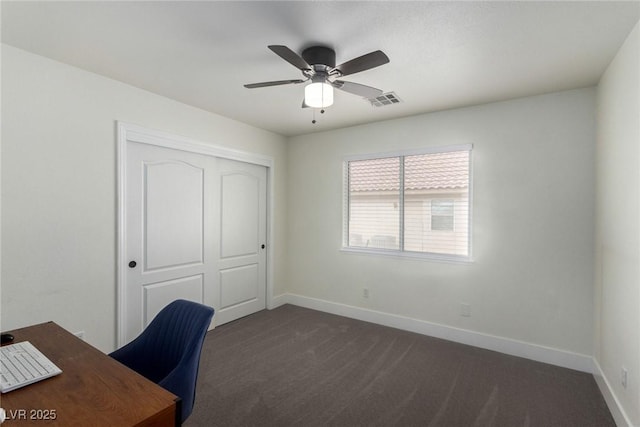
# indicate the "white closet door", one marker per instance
pixel 241 252
pixel 195 226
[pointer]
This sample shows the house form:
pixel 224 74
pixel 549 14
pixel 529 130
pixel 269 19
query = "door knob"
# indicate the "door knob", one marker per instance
pixel 132 264
pixel 262 246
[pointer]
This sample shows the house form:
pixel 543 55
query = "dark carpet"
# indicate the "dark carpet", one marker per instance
pixel 298 367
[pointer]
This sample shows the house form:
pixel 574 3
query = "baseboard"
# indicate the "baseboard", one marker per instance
pixel 278 300
pixel 535 352
pixel 619 415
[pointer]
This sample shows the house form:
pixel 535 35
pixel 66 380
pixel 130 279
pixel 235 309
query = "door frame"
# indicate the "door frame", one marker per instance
pixel 127 132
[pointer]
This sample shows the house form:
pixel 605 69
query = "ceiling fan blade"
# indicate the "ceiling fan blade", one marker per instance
pixel 364 62
pixel 290 56
pixel 357 89
pixel 274 83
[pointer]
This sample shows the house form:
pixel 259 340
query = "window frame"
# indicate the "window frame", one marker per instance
pixel 401 252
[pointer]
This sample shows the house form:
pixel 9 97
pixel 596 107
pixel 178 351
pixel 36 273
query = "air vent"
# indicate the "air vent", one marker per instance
pixel 385 99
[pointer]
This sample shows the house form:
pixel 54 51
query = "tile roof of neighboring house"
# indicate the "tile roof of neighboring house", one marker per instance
pixel 422 172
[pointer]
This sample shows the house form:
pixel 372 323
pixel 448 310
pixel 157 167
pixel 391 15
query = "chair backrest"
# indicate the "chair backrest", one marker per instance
pixel 168 351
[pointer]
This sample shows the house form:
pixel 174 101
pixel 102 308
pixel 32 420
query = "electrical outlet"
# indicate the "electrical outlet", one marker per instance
pixel 623 377
pixel 465 310
pixel 80 335
pixel 365 293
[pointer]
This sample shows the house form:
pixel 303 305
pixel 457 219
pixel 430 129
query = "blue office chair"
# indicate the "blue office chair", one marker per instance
pixel 167 352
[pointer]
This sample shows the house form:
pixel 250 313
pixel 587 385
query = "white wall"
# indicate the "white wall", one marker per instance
pixel 617 261
pixel 533 226
pixel 59 187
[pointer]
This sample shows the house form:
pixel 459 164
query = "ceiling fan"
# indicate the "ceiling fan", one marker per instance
pixel 318 65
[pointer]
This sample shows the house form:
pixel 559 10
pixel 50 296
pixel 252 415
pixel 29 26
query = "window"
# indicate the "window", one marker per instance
pixel 442 214
pixel 412 203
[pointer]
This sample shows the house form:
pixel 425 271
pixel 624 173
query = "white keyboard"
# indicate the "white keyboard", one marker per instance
pixel 23 364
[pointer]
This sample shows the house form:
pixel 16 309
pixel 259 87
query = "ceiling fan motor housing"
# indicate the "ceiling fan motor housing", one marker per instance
pixel 320 55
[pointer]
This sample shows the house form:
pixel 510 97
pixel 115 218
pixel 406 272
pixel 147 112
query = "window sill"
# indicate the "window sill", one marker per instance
pixel 454 259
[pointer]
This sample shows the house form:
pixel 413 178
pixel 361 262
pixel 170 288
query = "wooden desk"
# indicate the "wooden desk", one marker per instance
pixel 92 390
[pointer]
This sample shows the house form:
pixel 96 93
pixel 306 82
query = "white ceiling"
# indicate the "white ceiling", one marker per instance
pixel 443 54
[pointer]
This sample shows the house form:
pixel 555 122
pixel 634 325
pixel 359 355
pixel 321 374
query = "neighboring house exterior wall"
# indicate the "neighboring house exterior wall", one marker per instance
pixel 425 231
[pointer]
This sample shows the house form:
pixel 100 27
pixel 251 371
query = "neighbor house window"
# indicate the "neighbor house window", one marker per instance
pixel 410 203
pixel 442 214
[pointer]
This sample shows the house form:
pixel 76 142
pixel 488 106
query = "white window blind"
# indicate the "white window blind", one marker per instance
pixel 410 203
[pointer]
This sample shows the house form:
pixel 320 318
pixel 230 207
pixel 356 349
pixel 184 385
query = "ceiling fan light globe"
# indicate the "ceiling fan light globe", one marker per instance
pixel 318 95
